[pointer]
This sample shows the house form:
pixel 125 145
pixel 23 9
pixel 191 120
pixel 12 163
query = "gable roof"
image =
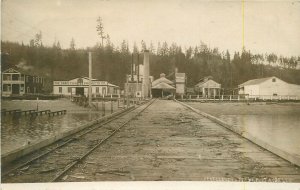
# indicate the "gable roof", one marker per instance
pixel 163 85
pixel 256 81
pixel 11 70
pixel 207 81
pixel 161 80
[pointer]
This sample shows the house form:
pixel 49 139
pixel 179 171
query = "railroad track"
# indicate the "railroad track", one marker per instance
pixel 51 163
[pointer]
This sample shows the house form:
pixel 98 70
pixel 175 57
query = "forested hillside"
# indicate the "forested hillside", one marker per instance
pixel 112 63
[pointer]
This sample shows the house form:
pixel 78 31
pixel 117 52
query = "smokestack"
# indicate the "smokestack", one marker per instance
pixel 146 83
pixel 132 66
pixel 138 68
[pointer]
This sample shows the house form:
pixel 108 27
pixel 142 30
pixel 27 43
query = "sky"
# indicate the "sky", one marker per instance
pixel 269 26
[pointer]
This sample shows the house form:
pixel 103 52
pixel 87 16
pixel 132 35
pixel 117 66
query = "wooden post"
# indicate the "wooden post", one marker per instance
pixel 111 107
pixel 90 80
pixel 230 98
pixel 103 108
pixel 37 104
pixel 222 98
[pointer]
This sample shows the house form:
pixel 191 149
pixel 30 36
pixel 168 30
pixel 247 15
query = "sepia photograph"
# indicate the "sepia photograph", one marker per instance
pixel 149 94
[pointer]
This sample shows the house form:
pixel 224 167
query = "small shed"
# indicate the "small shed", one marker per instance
pixel 162 87
pixel 207 87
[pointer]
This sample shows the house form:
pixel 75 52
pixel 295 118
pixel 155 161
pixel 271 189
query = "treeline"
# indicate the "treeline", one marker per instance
pixel 112 63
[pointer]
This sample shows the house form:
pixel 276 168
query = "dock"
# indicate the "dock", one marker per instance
pixel 161 141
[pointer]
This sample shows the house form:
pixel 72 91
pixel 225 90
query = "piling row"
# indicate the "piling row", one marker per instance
pixel 18 112
pixel 57 113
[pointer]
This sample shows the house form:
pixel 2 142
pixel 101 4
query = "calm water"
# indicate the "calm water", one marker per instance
pixel 281 131
pixel 276 124
pixel 19 131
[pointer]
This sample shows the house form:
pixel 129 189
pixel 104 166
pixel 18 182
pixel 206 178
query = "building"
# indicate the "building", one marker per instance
pixel 268 87
pixel 133 86
pixel 207 87
pixel 162 87
pixel 180 81
pixel 15 82
pixel 138 83
pixel 80 86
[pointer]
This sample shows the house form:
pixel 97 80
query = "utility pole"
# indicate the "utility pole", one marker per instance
pixel 90 79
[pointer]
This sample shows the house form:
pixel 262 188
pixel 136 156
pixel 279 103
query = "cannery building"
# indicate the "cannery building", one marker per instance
pixel 79 86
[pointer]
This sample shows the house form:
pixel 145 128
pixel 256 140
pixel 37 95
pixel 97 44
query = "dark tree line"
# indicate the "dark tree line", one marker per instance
pixel 112 63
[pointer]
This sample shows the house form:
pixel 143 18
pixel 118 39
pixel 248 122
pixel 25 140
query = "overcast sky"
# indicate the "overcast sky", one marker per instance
pixel 270 26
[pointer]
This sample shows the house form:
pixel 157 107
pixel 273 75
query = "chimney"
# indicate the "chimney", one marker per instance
pixel 146 83
pixel 162 75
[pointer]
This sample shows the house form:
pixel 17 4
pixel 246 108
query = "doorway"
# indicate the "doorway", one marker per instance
pixel 15 89
pixel 79 91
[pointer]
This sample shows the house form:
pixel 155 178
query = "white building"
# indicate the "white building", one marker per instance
pixel 207 87
pixel 80 86
pixel 268 88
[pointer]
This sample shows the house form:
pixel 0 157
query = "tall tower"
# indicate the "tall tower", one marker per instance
pixel 146 73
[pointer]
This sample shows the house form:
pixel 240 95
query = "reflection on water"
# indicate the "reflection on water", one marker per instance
pixel 17 131
pixel 281 131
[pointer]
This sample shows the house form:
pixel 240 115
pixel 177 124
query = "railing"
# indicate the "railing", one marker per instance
pixel 238 97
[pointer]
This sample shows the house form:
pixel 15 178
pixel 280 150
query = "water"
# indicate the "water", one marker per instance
pixel 281 131
pixel 18 132
pixel 275 124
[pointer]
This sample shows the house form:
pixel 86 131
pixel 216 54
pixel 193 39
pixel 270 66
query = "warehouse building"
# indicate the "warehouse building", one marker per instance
pixel 16 82
pixel 269 87
pixel 80 86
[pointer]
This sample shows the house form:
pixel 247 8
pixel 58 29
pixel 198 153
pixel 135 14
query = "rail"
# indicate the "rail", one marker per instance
pixel 74 138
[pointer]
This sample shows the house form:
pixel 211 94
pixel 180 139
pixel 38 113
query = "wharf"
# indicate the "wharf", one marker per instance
pixel 169 142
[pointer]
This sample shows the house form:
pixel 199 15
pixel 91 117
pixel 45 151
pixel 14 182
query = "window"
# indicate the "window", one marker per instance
pixel 6 87
pixel 6 77
pixel 275 94
pixel 97 89
pixel 28 90
pixel 274 80
pixel 69 89
pixel 60 89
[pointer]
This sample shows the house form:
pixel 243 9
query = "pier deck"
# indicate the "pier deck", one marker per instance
pixel 170 142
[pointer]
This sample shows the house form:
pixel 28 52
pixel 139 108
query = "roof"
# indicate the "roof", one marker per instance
pixel 109 84
pixel 16 69
pixel 256 81
pixel 163 86
pixel 206 81
pixel 161 80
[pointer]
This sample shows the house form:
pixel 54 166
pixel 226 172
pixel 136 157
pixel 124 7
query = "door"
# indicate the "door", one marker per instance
pixel 80 91
pixel 15 89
